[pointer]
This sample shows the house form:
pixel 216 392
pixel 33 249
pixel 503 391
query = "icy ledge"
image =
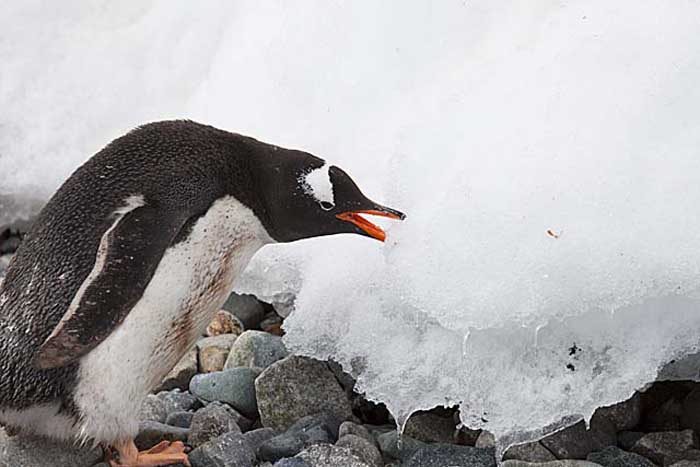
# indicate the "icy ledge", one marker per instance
pixel 518 380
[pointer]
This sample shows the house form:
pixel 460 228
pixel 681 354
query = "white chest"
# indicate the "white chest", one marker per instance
pixel 190 284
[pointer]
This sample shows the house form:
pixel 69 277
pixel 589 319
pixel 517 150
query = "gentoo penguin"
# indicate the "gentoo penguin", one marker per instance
pixel 131 258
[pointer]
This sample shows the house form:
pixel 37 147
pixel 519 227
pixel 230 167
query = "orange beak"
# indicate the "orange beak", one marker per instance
pixel 372 230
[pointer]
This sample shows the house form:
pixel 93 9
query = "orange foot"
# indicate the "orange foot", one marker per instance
pixel 162 454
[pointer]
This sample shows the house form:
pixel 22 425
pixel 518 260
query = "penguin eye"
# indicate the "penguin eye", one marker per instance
pixel 326 205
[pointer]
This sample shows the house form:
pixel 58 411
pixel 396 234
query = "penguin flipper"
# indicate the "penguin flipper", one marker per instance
pixel 126 260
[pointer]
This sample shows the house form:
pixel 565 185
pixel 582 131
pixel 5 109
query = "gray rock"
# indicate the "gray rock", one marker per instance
pixel 181 374
pixel 691 455
pixel 247 308
pixel 292 462
pixel 690 416
pixel 602 433
pixel 31 451
pixel 351 428
pixel 152 433
pixel 272 323
pixel 211 421
pixel 558 463
pixel 686 464
pixel 256 349
pixel 529 452
pixel 325 455
pixel 441 455
pixel 626 439
pixel 256 437
pixel 666 417
pixel 389 446
pixel 623 416
pixel 180 418
pixel 213 352
pixel 309 430
pixel 235 386
pixel 616 457
pixel 228 450
pixel 430 428
pixel 664 444
pixel 362 448
pixel 224 323
pixel 573 442
pixel 177 401
pixel 153 408
pixel 295 387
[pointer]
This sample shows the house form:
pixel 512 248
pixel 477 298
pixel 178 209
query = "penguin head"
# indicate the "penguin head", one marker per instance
pixel 305 197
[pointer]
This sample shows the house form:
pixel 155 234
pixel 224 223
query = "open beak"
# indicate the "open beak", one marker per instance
pixel 370 229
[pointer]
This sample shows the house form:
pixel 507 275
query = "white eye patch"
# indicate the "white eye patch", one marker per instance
pixel 317 183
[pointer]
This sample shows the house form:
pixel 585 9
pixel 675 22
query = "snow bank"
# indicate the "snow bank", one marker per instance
pixel 546 155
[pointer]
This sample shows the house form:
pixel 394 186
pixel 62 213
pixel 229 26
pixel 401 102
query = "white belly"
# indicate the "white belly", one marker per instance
pixel 190 284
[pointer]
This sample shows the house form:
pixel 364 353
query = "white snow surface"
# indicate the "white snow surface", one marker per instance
pixel 547 155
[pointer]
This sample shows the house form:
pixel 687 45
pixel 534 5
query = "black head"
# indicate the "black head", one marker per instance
pixel 304 197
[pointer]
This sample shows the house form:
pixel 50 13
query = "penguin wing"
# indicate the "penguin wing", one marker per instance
pixel 126 260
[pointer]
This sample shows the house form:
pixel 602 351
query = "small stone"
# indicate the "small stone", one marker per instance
pixel 153 408
pixel 573 442
pixel 152 433
pixel 33 451
pixel 616 457
pixel 388 445
pixel 247 308
pixel 440 455
pixel 529 452
pixel 325 455
pixel 227 450
pixel 557 463
pixel 258 436
pixel 430 428
pixel 292 462
pixel 661 445
pixel 256 349
pixel 626 439
pixel 177 401
pixel 235 386
pixel 213 352
pixel 181 419
pixel 307 431
pixel 351 428
pixel 181 374
pixel 224 323
pixel 485 440
pixel 623 416
pixel 211 421
pixel 295 387
pixel 272 324
pixel 362 448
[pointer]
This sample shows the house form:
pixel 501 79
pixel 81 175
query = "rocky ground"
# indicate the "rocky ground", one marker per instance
pixel 239 399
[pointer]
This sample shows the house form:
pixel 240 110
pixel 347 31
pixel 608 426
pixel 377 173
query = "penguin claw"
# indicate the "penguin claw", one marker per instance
pixel 162 454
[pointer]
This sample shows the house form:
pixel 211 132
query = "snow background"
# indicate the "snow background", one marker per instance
pixel 489 123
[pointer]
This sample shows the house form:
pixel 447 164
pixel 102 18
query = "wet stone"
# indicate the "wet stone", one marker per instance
pixel 362 448
pixel 529 452
pixel 307 431
pixel 430 428
pixel 256 349
pixel 247 308
pixel 235 386
pixel 573 442
pixel 295 387
pixel 227 450
pixel 325 455
pixel 440 455
pixel 181 419
pixel 211 421
pixel 616 457
pixel 661 445
pixel 151 433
